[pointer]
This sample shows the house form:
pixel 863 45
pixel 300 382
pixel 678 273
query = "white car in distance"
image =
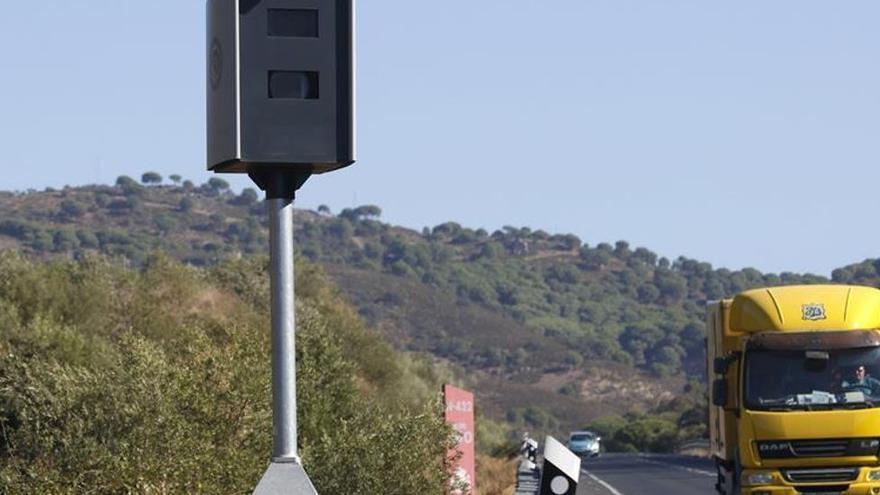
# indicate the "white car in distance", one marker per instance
pixel 584 443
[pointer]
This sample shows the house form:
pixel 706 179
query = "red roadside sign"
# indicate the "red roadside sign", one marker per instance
pixel 460 414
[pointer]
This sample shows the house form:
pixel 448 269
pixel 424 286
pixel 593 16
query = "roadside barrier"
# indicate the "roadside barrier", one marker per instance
pixel 694 448
pixel 528 478
pixel 558 475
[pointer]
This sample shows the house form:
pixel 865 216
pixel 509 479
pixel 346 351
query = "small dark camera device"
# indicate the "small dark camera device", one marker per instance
pixel 280 85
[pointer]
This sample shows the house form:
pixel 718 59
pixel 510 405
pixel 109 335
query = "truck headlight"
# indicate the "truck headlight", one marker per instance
pixel 874 475
pixel 760 478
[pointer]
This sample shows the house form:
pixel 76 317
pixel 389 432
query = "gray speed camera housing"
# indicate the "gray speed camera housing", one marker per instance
pixel 280 85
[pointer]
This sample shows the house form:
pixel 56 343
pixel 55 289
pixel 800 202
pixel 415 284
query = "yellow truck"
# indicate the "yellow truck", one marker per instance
pixel 795 395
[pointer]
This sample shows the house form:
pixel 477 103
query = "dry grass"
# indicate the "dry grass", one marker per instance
pixel 639 391
pixel 495 476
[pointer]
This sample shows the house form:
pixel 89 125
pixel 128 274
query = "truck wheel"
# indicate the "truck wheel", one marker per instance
pixel 737 475
pixel 721 477
pixel 728 477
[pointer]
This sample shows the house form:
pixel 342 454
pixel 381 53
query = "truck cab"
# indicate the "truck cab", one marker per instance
pixel 795 391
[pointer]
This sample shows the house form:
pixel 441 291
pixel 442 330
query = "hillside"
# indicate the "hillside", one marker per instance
pixel 157 380
pixel 544 324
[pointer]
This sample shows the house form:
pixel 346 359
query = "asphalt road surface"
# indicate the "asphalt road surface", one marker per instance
pixel 618 474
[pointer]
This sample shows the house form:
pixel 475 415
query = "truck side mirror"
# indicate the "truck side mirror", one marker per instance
pixel 721 364
pixel 719 392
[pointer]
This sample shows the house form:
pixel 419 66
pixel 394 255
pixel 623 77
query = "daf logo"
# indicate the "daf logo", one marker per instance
pixel 773 447
pixel 869 444
pixel 813 312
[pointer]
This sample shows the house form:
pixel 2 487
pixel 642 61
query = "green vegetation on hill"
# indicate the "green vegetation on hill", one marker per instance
pixel 531 315
pixel 662 429
pixel 157 380
pixel 597 302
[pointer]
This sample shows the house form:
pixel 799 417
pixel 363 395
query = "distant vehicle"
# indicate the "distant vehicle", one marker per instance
pixel 584 443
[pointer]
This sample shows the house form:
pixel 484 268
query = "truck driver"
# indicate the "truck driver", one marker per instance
pixel 862 383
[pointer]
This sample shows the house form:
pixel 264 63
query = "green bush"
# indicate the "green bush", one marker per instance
pixel 70 209
pixel 129 186
pixel 158 381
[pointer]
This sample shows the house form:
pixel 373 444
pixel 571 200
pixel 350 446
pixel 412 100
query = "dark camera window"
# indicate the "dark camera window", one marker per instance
pixel 293 23
pixel 296 85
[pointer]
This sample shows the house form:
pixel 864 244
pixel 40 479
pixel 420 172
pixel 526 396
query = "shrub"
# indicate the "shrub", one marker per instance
pixel 65 240
pixel 247 197
pixel 217 184
pixel 71 209
pixel 186 205
pixel 87 239
pixel 128 185
pixel 157 381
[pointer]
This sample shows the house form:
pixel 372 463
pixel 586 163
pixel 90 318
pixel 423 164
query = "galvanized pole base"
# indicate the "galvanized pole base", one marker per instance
pixel 285 478
pixel 285 475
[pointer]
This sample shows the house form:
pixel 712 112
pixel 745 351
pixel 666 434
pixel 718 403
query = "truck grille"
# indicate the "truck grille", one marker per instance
pixel 819 448
pixel 824 490
pixel 829 475
pixel 836 447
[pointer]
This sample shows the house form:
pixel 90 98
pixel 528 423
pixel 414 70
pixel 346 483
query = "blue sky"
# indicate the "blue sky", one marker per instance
pixel 739 133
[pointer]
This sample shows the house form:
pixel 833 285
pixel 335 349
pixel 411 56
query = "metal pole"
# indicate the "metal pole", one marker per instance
pixel 283 330
pixel 285 475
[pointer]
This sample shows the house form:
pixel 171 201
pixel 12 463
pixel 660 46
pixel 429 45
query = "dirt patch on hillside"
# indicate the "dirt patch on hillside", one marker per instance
pixel 8 243
pixel 553 381
pixel 545 254
pixel 612 386
pixel 626 389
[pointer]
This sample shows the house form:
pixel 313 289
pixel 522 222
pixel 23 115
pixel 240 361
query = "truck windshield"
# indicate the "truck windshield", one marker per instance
pixel 810 380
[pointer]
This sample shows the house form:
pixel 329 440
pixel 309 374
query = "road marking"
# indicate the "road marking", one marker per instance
pixel 676 466
pixel 602 482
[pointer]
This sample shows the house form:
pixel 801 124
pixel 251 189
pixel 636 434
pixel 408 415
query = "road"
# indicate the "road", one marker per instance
pixel 619 474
